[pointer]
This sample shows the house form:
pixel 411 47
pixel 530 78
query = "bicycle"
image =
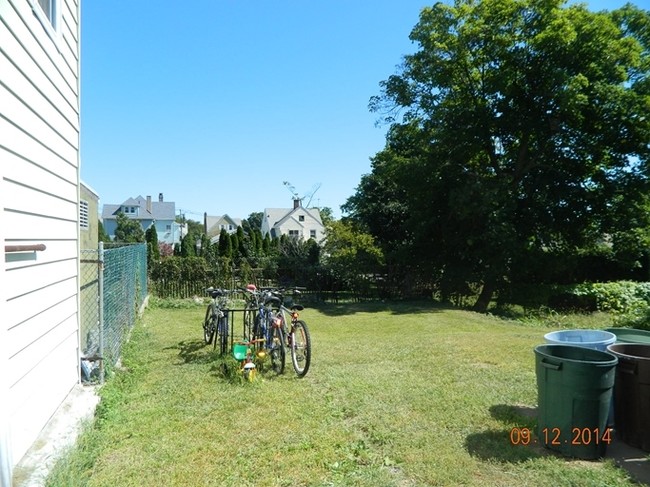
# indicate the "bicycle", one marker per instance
pixel 215 324
pixel 263 328
pixel 297 338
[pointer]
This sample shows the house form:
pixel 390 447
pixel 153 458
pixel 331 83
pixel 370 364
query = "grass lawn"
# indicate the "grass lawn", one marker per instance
pixel 397 395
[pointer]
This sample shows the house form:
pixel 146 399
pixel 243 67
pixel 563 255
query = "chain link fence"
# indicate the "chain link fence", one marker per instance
pixel 113 287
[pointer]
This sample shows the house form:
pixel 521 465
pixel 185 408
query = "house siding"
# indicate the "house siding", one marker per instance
pixel 39 150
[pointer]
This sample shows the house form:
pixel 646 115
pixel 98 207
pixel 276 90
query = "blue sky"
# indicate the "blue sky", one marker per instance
pixel 216 104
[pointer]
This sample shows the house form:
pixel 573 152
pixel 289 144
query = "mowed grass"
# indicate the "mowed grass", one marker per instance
pixel 397 395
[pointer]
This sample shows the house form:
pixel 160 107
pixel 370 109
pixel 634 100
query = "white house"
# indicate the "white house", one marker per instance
pixel 212 225
pixel 296 222
pixel 39 218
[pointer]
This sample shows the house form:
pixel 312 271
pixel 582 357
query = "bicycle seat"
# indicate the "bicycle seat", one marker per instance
pixel 297 307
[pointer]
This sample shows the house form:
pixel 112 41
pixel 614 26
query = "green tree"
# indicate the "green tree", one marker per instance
pixel 128 230
pixel 188 245
pixel 102 236
pixel 349 254
pixel 254 221
pixel 225 245
pixel 197 228
pixel 266 244
pixel 243 242
pixel 517 127
pixel 326 215
pixel 153 250
pixel 234 242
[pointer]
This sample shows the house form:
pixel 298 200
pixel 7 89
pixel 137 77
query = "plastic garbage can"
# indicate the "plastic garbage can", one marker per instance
pixel 574 393
pixel 597 339
pixel 632 394
pixel 630 335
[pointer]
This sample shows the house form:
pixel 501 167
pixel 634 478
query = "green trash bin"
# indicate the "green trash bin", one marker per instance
pixel 632 394
pixel 630 335
pixel 574 393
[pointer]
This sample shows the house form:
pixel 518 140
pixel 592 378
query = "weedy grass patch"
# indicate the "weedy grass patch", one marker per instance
pixel 398 395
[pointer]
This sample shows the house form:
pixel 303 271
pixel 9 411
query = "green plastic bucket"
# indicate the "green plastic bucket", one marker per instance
pixel 574 392
pixel 239 351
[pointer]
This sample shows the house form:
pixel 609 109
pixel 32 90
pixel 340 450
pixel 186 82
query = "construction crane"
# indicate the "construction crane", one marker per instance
pixel 309 194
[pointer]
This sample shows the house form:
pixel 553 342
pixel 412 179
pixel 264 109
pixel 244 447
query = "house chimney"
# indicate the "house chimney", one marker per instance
pixel 149 204
pixel 296 203
pixel 160 197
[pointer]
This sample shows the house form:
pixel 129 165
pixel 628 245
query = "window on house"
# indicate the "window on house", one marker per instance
pixel 301 218
pixel 168 228
pixel 312 233
pixel 229 227
pixel 294 233
pixel 48 9
pixel 47 12
pixel 83 215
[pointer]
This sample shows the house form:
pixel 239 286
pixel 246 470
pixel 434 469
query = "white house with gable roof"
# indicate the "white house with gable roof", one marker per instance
pixel 297 222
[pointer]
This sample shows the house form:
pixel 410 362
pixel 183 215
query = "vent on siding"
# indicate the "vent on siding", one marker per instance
pixel 83 214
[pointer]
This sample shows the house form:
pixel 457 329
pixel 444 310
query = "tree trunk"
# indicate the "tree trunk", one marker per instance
pixel 485 297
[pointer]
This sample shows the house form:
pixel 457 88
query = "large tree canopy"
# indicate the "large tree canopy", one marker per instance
pixel 517 127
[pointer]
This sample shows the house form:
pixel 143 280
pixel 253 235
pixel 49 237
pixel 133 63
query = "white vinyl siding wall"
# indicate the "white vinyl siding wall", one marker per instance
pixel 39 155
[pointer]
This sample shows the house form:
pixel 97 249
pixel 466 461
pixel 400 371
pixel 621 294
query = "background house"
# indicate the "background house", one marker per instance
pixel 212 225
pixel 296 222
pixel 39 218
pixel 161 214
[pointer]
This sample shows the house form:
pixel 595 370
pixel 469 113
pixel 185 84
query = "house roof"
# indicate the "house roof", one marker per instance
pixel 160 210
pixel 277 216
pixel 211 222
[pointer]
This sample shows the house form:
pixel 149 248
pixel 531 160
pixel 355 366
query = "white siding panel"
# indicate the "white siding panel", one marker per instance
pixel 30 201
pixel 16 82
pixel 38 277
pixel 45 53
pixel 29 122
pixel 30 305
pixel 19 142
pixel 35 399
pixel 28 173
pixel 69 105
pixel 70 19
pixel 38 347
pixel 68 48
pixel 37 228
pixel 26 334
pixel 72 8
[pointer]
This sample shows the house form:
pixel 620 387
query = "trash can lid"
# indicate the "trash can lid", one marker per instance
pixel 636 351
pixel 583 338
pixel 630 335
pixel 573 353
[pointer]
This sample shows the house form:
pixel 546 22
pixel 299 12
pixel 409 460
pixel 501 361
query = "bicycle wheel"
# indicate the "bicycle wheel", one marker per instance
pixel 209 326
pixel 222 335
pixel 300 344
pixel 276 350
